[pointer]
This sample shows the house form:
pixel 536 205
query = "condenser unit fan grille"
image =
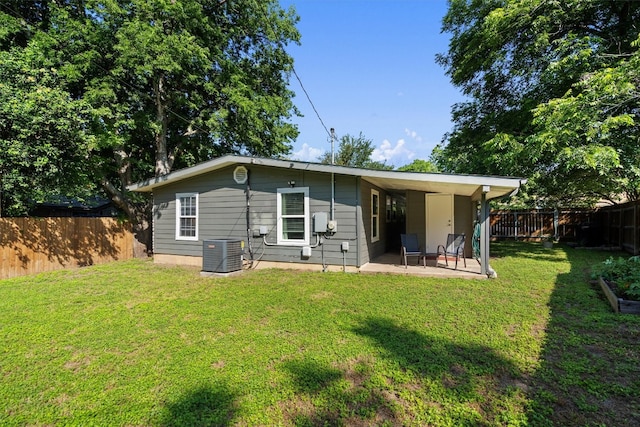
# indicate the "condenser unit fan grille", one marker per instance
pixel 222 255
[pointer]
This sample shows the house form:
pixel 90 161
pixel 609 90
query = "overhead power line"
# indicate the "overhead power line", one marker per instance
pixel 174 113
pixel 293 69
pixel 311 102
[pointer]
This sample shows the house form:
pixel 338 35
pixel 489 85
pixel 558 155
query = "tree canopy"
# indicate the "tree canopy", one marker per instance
pixel 419 165
pixel 354 151
pixel 553 95
pixel 151 86
pixel 44 141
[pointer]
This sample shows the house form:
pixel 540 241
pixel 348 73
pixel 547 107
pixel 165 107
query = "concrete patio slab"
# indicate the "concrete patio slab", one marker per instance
pixel 390 263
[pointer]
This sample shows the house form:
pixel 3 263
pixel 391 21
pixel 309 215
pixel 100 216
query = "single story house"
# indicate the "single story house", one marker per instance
pixel 294 212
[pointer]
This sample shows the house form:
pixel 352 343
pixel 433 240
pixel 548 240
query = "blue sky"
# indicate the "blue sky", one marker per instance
pixel 369 66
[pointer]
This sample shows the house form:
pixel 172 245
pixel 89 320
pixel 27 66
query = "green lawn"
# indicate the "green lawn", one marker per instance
pixel 133 343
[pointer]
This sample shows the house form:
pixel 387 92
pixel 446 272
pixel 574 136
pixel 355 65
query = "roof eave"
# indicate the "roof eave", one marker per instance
pixel 505 184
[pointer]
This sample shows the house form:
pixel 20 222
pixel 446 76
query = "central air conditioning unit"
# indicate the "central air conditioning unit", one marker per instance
pixel 222 255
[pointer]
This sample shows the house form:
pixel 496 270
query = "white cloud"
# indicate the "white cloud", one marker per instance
pixel 307 153
pixel 413 134
pixel 389 153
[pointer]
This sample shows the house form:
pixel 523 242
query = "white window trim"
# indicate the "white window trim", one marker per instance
pixel 375 236
pixel 178 216
pixel 289 242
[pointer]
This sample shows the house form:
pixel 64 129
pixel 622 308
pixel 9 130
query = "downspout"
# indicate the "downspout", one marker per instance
pixel 358 219
pixel 333 196
pixel 247 192
pixel 485 231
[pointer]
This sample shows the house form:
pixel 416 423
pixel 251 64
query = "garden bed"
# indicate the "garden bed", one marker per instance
pixel 619 305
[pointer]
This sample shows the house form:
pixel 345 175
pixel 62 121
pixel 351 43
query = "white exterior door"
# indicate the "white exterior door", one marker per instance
pixel 439 209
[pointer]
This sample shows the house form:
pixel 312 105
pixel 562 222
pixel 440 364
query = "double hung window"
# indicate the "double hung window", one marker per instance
pixel 187 216
pixel 293 216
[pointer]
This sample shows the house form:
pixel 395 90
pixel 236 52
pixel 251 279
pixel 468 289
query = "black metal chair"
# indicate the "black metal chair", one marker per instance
pixel 410 247
pixel 453 248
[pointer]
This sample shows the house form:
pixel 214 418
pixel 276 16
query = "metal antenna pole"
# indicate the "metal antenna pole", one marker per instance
pixel 333 178
pixel 333 154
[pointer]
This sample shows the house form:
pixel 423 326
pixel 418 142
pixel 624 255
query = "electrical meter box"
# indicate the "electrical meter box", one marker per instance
pixel 320 220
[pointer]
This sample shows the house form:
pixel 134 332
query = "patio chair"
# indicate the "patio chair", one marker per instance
pixel 453 248
pixel 410 247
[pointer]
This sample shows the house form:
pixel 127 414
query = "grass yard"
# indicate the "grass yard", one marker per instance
pixel 132 343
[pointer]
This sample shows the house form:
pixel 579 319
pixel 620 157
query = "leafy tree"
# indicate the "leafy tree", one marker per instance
pixel 593 134
pixel 354 152
pixel 551 89
pixel 43 135
pixel 166 83
pixel 419 165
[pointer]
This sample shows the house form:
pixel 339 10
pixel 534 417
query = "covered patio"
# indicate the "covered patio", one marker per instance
pixel 390 263
pixel 435 207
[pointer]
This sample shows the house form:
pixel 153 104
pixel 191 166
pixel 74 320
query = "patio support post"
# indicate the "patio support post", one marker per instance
pixel 485 233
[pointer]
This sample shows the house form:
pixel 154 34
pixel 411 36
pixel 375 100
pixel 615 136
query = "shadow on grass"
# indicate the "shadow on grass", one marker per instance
pixel 590 363
pixel 310 376
pixel 331 396
pixel 435 357
pixel 206 406
pixel 423 372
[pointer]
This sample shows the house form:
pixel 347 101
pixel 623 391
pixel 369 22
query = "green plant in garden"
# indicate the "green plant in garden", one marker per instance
pixel 623 272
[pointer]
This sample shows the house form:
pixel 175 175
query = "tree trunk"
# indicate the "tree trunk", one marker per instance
pixel 138 213
pixel 163 164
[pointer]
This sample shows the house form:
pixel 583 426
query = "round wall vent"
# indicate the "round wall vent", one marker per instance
pixel 240 174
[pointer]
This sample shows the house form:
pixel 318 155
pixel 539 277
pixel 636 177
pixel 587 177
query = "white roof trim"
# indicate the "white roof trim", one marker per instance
pixel 390 180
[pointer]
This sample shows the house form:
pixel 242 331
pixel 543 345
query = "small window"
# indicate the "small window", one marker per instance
pixel 375 215
pixel 293 216
pixel 187 216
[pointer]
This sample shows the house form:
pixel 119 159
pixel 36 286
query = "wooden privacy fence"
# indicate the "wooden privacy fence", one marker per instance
pixel 621 226
pixel 34 245
pixel 536 224
pixel 611 226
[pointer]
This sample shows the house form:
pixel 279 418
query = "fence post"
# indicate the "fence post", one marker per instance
pixel 635 229
pixel 621 228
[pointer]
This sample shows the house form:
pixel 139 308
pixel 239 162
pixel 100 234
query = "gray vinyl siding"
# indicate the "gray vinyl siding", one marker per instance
pixel 223 213
pixel 463 220
pixel 368 249
pixel 416 219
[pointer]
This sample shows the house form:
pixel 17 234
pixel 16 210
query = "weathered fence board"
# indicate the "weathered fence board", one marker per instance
pixel 536 224
pixel 612 226
pixel 34 245
pixel 621 226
